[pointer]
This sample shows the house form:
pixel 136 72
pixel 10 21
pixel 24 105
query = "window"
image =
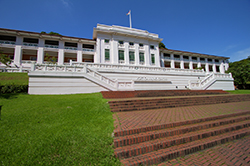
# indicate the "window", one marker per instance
pixel 131 43
pixel 216 60
pixel 106 54
pixel 194 58
pixel 33 58
pixel 89 46
pixel 141 45
pixel 120 42
pixel 185 57
pixel 30 40
pixel 121 55
pixel 131 56
pixel 209 60
pixel 152 47
pixel 166 56
pixel 8 38
pixel 152 59
pixel 52 42
pixel 141 56
pixel 202 59
pixel 106 40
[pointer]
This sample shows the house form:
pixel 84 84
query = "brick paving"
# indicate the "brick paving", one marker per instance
pixel 137 119
pixel 236 152
pixel 232 153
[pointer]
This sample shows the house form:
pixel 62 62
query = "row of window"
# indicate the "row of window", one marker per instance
pixel 167 56
pixel 47 42
pixel 131 56
pixel 130 43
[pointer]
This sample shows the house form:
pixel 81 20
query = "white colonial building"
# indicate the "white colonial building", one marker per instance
pixel 117 58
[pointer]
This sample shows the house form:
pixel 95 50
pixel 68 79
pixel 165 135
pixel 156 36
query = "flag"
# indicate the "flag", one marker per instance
pixel 128 13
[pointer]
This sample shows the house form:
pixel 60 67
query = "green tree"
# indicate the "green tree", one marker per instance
pixel 51 33
pixel 50 59
pixel 240 71
pixel 161 45
pixel 5 59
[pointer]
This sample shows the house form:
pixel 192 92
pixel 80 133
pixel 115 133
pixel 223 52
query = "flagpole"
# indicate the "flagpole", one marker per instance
pixel 130 18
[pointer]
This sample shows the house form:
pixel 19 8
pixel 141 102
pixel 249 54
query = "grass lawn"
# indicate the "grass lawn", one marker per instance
pixel 56 130
pixel 239 91
pixel 14 78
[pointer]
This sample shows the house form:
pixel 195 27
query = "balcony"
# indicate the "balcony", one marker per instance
pixel 121 61
pixel 202 61
pixel 120 45
pixel 185 59
pixel 131 46
pixel 70 48
pixel 141 47
pixel 88 50
pixel 177 59
pixel 165 57
pixel 7 42
pixel 51 46
pixel 131 62
pixel 30 44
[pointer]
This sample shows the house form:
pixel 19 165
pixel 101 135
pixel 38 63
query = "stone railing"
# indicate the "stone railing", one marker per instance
pixel 101 66
pixel 202 84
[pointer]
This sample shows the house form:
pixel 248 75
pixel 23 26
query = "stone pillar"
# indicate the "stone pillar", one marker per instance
pixel 126 53
pixel 172 61
pixel 199 62
pixel 137 59
pixel 79 52
pixel 147 55
pixel 226 65
pixel 61 53
pixel 97 51
pixel 190 63
pixel 162 60
pixel 181 63
pixel 18 54
pixel 222 69
pixel 40 51
pixel 114 52
pixel 206 65
pixel 157 57
pixel 214 66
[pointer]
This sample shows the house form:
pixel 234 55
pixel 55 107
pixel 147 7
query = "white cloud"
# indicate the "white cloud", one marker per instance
pixel 241 54
pixel 66 3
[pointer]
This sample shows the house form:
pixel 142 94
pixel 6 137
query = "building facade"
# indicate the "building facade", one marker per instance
pixel 117 58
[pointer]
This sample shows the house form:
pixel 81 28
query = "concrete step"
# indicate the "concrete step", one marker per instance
pixel 162 155
pixel 145 104
pixel 166 133
pixel 176 124
pixel 166 142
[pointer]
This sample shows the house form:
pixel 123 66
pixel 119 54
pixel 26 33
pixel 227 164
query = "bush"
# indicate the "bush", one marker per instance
pixel 12 88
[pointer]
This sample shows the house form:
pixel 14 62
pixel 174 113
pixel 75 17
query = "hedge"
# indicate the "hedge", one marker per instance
pixel 13 88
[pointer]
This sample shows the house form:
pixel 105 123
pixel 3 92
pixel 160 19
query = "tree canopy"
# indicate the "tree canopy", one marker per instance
pixel 240 71
pixel 51 33
pixel 161 45
pixel 5 59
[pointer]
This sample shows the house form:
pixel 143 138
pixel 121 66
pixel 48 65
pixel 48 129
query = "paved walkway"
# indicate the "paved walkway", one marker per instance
pixel 137 119
pixel 231 153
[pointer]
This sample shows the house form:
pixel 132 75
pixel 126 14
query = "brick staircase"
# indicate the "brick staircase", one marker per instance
pixel 150 145
pixel 157 103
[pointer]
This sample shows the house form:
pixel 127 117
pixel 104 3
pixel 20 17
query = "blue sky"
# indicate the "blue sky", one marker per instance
pixel 215 27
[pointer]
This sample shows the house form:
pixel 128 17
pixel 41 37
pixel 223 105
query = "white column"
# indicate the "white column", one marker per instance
pixel 61 53
pixel 182 63
pixel 137 59
pixel 18 50
pixel 97 51
pixel 214 66
pixel 190 63
pixel 162 59
pixel 126 53
pixel 222 69
pixel 18 54
pixel 206 65
pixel 40 51
pixel 79 52
pixel 114 52
pixel 172 61
pixel 199 63
pixel 157 57
pixel 226 65
pixel 147 55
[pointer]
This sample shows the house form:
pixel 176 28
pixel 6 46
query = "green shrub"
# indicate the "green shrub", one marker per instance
pixel 12 88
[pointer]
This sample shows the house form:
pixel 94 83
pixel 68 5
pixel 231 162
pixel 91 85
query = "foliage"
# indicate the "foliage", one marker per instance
pixel 14 78
pixel 5 59
pixel 240 71
pixel 50 59
pixel 51 33
pixel 12 88
pixel 198 68
pixel 239 92
pixel 161 45
pixel 56 130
